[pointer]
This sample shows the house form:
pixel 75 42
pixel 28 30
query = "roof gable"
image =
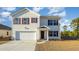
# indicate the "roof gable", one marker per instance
pixel 22 11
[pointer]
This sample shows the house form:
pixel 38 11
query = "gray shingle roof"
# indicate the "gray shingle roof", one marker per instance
pixel 4 27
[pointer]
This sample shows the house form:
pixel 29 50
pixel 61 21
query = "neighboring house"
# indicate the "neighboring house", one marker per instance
pixel 29 25
pixel 5 31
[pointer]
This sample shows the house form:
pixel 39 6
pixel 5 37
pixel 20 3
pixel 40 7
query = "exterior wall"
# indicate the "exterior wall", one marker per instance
pixel 44 21
pixel 4 33
pixel 26 27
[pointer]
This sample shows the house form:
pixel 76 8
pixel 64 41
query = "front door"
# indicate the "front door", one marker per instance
pixel 42 34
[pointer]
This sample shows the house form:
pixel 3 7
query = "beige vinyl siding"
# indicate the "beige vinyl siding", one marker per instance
pixel 4 33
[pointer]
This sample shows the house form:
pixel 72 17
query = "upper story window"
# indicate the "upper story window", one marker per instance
pixel 34 20
pixel 53 33
pixel 55 22
pixel 52 22
pixel 17 21
pixel 25 20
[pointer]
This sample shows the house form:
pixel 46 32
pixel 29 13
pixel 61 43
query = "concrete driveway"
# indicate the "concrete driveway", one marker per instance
pixel 18 46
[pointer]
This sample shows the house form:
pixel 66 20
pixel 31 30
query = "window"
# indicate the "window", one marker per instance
pixel 7 33
pixel 17 21
pixel 34 20
pixel 50 33
pixel 53 33
pixel 25 20
pixel 52 22
pixel 55 22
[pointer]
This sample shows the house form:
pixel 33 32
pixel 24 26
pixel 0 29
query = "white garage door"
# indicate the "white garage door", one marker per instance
pixel 28 35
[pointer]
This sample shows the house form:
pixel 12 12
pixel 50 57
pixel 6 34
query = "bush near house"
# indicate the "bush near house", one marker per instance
pixel 68 36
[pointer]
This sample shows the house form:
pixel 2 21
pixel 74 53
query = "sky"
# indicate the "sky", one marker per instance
pixel 67 14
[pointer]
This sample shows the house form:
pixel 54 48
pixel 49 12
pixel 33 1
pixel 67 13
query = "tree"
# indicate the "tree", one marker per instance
pixel 65 28
pixel 65 32
pixel 71 34
pixel 75 26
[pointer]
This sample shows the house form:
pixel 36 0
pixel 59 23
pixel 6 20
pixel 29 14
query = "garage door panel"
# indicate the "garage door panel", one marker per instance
pixel 28 36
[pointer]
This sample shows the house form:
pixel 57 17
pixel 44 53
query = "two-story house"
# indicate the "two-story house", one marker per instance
pixel 29 25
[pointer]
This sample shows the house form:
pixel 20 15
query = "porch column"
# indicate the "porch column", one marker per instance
pixel 47 36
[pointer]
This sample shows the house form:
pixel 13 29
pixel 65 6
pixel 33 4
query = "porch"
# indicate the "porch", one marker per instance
pixel 44 31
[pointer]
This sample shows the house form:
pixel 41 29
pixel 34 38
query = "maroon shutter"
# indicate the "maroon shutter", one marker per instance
pixel 19 20
pixel 36 20
pixel 28 20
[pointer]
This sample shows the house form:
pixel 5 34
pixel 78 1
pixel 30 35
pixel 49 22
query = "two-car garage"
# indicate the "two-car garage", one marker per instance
pixel 26 35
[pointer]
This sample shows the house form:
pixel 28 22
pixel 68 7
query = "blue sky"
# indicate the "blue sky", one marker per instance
pixel 66 13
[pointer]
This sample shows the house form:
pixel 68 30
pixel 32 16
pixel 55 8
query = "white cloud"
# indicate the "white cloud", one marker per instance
pixel 2 20
pixel 61 14
pixel 38 9
pixel 57 11
pixel 5 14
pixel 9 8
pixel 10 18
pixel 65 22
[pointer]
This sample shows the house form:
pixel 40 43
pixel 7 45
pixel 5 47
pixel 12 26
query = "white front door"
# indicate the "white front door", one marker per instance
pixel 28 35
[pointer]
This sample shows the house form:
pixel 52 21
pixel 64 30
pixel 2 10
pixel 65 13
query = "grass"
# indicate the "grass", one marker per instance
pixel 65 45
